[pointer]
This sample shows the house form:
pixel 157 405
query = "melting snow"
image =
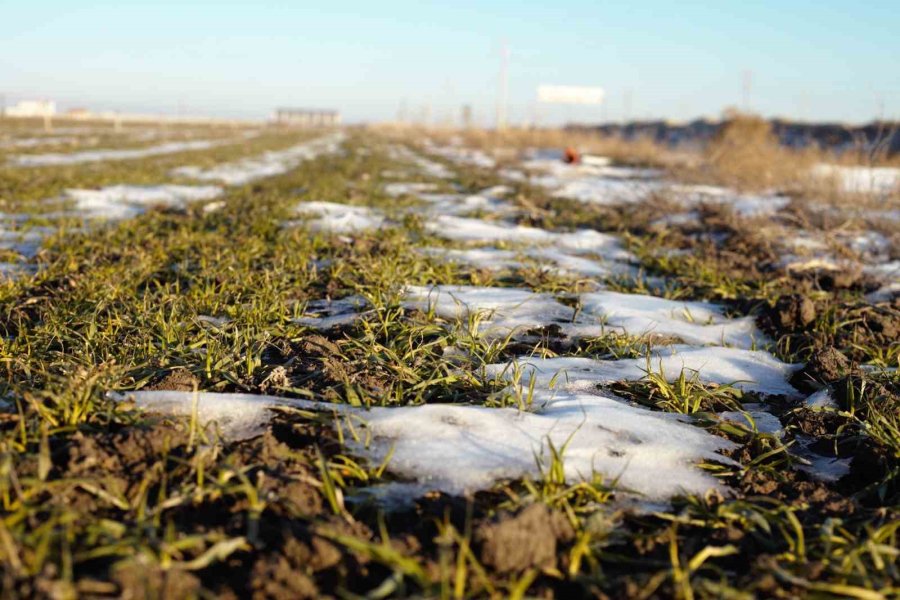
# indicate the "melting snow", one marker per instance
pixel 339 218
pixel 754 420
pixel 125 201
pixel 861 180
pixel 463 156
pixel 483 258
pixel 821 399
pixel 25 243
pixel 427 166
pixel 691 322
pixel 516 311
pixel 506 310
pixel 267 165
pixel 749 370
pixel 38 141
pixel 458 204
pixel 459 449
pixel 73 158
pixel 399 188
pixel 325 314
pixel 477 230
pixel 742 204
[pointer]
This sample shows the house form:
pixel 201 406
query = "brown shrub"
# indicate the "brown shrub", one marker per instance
pixel 745 154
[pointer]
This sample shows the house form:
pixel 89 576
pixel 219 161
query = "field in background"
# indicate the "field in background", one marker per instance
pixel 745 154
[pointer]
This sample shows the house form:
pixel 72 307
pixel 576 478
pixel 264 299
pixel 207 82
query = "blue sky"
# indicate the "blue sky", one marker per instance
pixel 815 60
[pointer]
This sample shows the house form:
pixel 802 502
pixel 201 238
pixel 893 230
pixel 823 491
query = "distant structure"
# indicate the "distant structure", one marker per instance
pixel 32 108
pixel 79 114
pixel 296 117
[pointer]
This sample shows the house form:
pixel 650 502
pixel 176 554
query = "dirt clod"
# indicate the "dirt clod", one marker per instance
pixel 529 539
pixel 793 312
pixel 824 366
pixel 179 380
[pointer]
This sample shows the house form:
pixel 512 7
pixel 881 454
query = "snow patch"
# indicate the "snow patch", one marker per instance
pixel 325 314
pixel 821 399
pixel 339 218
pixel 88 156
pixel 749 370
pixel 691 322
pixel 860 180
pixel 459 449
pixel 463 229
pixel 506 311
pixel 125 201
pixel 269 164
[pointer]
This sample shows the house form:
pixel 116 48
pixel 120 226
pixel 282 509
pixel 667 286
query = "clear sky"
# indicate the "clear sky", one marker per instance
pixel 823 60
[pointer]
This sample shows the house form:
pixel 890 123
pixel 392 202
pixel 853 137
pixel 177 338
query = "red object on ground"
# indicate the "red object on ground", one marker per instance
pixel 571 155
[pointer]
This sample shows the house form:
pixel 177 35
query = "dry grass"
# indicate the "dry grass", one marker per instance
pixel 510 143
pixel 745 155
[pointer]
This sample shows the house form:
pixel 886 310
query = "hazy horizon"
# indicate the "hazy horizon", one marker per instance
pixel 807 61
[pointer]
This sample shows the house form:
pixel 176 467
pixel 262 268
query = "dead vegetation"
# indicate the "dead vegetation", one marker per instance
pixel 745 154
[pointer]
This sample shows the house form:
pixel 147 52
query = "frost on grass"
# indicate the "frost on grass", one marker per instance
pixel 88 156
pixel 268 164
pixel 505 311
pixel 749 370
pixel 118 202
pixel 338 218
pixel 459 449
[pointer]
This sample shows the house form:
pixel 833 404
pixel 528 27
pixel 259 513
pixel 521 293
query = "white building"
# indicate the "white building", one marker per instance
pixel 295 117
pixel 32 108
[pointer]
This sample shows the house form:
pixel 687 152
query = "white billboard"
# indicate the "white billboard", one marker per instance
pixel 570 94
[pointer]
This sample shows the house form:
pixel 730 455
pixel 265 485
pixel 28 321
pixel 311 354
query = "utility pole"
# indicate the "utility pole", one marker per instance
pixel 466 116
pixel 746 85
pixel 48 120
pixel 626 108
pixel 502 91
